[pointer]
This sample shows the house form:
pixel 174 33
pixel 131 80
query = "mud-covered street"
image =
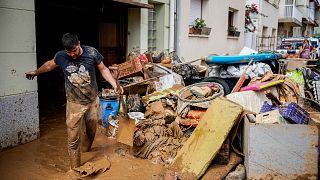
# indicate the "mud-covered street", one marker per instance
pixel 47 157
pixel 159 89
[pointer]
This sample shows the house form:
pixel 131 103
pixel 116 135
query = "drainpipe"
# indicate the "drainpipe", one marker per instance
pixel 177 33
pixel 260 17
pixel 171 35
pixel 259 31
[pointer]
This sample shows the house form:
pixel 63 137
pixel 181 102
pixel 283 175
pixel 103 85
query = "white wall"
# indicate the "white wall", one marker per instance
pixel 144 30
pixel 163 26
pixel 302 2
pixel 17 47
pixel 19 115
pixel 138 27
pixel 133 29
pixel 267 17
pixel 215 15
pixel 271 18
pixel 303 6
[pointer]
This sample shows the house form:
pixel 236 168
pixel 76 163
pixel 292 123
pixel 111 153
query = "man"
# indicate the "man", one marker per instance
pixel 78 63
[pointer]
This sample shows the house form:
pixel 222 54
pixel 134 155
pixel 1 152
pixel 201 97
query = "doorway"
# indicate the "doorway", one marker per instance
pixel 98 23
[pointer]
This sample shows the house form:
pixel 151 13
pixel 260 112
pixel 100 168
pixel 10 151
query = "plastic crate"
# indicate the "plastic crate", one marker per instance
pixel 267 107
pixel 294 113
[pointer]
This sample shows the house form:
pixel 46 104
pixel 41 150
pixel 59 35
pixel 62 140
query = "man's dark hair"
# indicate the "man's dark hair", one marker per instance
pixel 69 41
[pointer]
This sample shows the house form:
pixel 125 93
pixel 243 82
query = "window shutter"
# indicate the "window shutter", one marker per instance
pixel 195 10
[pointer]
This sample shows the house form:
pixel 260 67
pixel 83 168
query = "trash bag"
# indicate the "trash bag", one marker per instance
pixel 296 76
pixel 185 70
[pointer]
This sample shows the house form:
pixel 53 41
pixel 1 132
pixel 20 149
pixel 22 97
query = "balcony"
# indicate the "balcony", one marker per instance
pixel 311 14
pixel 308 15
pixel 290 14
pixel 317 21
pixel 308 11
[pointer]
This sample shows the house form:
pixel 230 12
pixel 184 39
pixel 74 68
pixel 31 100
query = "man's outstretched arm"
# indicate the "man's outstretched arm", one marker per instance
pixel 46 67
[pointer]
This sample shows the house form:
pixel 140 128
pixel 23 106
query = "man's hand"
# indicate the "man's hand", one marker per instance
pixel 119 90
pixel 30 75
pixel 46 67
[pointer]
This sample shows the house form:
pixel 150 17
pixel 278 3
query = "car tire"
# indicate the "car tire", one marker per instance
pixel 223 83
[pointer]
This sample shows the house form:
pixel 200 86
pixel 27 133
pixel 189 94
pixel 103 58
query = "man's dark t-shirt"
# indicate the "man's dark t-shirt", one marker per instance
pixel 79 74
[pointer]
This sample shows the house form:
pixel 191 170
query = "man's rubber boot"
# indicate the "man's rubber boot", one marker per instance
pixel 74 160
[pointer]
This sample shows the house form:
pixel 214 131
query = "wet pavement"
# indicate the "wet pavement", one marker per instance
pixel 47 157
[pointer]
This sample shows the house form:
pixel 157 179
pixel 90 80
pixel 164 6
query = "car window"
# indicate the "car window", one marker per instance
pixel 297 45
pixel 291 45
pixel 314 44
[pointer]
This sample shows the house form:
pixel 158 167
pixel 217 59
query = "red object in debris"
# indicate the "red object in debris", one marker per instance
pixel 195 114
pixel 193 117
pixel 143 58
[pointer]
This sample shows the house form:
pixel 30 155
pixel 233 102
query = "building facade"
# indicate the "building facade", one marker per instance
pixel 30 33
pixel 262 35
pixel 220 17
pixel 150 29
pixel 297 18
pixel 19 113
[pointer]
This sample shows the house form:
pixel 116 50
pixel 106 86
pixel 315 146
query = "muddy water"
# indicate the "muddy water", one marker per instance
pixel 47 157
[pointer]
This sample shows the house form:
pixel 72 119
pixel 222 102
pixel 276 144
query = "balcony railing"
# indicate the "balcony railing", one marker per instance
pixel 290 11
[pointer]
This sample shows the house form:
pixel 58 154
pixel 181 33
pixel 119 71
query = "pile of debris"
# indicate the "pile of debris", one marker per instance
pixel 267 130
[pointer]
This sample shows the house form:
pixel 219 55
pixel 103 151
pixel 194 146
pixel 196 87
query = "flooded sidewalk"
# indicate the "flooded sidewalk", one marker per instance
pixel 47 157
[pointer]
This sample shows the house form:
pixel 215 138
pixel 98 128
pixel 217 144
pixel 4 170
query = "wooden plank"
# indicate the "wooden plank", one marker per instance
pixel 242 78
pixel 199 150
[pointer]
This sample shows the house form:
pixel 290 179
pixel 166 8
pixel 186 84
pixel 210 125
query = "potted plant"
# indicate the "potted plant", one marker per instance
pixel 250 10
pixel 233 31
pixel 198 24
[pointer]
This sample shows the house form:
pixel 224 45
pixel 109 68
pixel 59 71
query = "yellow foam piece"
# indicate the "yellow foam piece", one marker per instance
pixel 200 149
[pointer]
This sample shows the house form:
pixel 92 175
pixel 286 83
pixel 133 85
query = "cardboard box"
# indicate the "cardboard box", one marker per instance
pixel 272 117
pixel 130 68
pixel 293 64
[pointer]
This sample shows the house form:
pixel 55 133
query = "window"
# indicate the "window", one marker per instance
pixel 288 2
pixel 296 31
pixel 233 23
pixel 152 30
pixel 230 18
pixel 195 10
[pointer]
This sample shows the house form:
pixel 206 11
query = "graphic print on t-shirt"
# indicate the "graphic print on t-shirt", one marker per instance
pixel 78 76
pixel 92 52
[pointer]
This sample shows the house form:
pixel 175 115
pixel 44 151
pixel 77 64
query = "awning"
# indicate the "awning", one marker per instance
pixel 134 4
